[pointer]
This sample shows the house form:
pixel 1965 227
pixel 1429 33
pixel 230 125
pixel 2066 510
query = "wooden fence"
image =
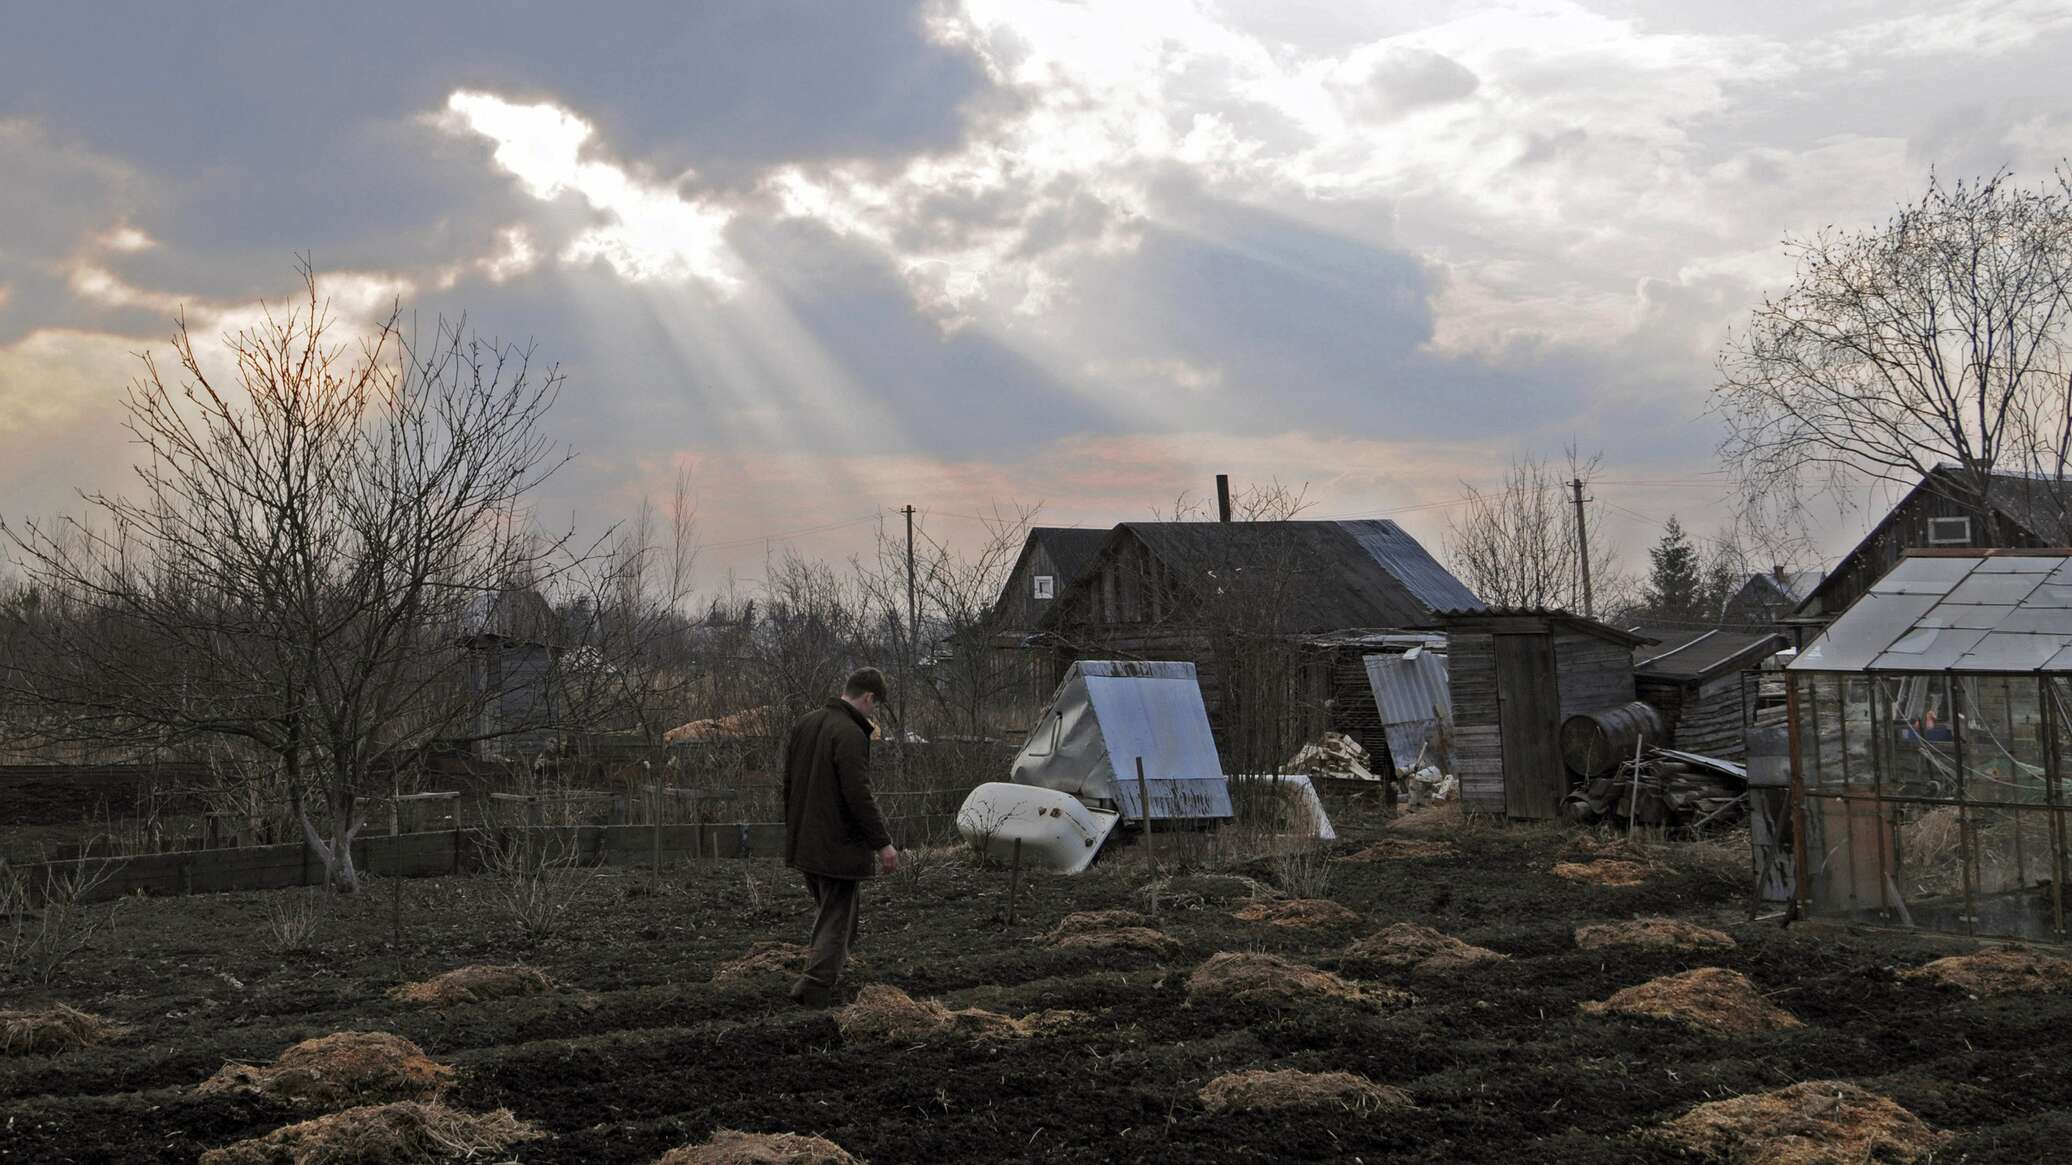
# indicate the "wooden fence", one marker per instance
pixel 435 854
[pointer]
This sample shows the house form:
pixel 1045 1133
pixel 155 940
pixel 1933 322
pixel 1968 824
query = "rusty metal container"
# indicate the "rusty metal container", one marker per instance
pixel 1594 743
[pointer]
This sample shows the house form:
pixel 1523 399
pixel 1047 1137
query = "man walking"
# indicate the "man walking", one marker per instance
pixel 833 832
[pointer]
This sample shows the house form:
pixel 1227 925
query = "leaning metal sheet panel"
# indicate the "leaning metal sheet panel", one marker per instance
pixel 1163 721
pixel 1063 750
pixel 1864 631
pixel 1414 698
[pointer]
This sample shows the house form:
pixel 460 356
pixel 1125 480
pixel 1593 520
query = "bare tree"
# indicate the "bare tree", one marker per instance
pixel 1516 545
pixel 1938 338
pixel 294 568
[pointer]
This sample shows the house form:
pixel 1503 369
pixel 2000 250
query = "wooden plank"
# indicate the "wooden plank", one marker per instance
pixel 1535 779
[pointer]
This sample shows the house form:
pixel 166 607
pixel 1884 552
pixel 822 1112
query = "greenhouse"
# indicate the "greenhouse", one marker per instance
pixel 1931 729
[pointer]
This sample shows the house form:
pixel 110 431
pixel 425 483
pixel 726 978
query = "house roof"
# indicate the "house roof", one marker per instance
pixel 1353 574
pixel 1494 618
pixel 1071 548
pixel 1793 586
pixel 1686 655
pixel 2033 505
pixel 1962 611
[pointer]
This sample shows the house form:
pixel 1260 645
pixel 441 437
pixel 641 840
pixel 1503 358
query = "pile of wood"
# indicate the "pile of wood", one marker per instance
pixel 1678 790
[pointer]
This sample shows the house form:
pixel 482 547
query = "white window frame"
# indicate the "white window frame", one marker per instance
pixel 1046 586
pixel 1937 538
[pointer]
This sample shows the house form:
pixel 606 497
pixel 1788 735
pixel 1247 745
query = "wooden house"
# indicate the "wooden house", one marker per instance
pixel 1052 559
pixel 1941 512
pixel 1516 674
pixel 1253 606
pixel 1768 598
pixel 1705 684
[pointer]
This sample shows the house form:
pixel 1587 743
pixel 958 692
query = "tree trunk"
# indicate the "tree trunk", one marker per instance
pixel 336 855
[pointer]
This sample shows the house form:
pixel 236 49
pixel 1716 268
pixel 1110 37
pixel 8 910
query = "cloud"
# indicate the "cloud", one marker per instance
pixel 650 231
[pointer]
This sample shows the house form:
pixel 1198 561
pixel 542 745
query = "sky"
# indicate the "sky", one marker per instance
pixel 829 260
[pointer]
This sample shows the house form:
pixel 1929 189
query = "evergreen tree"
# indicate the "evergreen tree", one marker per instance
pixel 1676 585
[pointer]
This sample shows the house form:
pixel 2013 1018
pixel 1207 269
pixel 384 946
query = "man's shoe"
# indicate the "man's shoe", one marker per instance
pixel 808 993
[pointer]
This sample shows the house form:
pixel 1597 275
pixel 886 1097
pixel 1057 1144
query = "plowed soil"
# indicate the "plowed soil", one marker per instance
pixel 637 1051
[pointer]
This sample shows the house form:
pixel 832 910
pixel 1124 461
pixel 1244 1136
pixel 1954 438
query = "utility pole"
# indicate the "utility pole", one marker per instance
pixel 906 673
pixel 1583 547
pixel 913 606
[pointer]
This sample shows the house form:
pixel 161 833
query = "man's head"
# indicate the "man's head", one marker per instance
pixel 865 689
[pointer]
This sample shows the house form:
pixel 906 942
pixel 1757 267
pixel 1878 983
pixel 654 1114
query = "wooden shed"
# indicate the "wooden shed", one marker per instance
pixel 1705 684
pixel 1516 674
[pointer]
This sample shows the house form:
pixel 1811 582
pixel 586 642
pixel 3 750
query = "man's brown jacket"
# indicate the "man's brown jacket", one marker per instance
pixel 831 825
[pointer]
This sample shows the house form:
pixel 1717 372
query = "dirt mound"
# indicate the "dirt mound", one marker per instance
pixel 1603 872
pixel 1183 891
pixel 1298 912
pixel 883 1013
pixel 1393 849
pixel 1818 1122
pixel 763 959
pixel 387 1134
pixel 1259 1091
pixel 56 1028
pixel 1652 934
pixel 1089 921
pixel 475 984
pixel 1710 999
pixel 1408 945
pixel 728 1147
pixel 1122 938
pixel 341 1068
pixel 1250 977
pixel 1996 971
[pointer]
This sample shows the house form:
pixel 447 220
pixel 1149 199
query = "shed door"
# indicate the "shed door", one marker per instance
pixel 1535 779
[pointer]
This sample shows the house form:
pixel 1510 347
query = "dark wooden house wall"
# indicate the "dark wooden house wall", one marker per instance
pixel 1905 528
pixel 1710 718
pixel 1512 766
pixel 1592 674
pixel 1020 607
pixel 1352 708
pixel 1478 752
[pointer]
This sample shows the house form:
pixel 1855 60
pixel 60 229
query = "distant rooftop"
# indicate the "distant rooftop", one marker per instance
pixel 1964 611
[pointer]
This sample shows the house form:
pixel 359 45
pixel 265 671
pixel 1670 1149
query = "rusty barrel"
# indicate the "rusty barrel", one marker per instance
pixel 1594 743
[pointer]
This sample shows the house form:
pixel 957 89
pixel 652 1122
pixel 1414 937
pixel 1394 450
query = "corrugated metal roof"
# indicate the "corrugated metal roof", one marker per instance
pixel 1414 698
pixel 1986 611
pixel 1697 654
pixel 1470 616
pixel 1350 574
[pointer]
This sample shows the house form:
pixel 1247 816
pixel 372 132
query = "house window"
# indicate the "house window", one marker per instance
pixel 1045 586
pixel 1949 531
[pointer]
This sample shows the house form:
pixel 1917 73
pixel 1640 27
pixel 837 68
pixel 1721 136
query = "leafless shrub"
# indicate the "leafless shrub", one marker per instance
pixel 48 925
pixel 538 881
pixel 1301 871
pixel 292 920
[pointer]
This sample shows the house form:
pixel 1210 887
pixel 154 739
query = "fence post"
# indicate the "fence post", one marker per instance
pixel 1014 880
pixel 655 849
pixel 1144 803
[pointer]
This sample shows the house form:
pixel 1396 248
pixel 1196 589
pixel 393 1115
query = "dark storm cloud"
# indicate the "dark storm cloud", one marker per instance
pixel 295 129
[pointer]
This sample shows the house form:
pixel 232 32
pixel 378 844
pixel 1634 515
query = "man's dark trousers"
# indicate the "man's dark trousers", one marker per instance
pixel 834 930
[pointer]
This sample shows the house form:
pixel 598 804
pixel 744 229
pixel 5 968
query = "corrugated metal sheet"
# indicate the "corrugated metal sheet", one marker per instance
pixel 1406 559
pixel 1108 714
pixel 1686 655
pixel 1415 700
